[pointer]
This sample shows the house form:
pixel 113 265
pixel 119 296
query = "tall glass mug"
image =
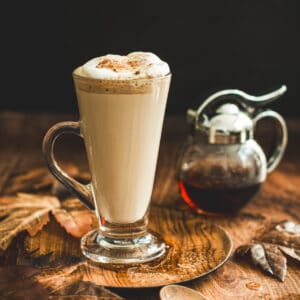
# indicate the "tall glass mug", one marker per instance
pixel 121 123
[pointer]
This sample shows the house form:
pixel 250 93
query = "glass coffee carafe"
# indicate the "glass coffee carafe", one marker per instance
pixel 221 166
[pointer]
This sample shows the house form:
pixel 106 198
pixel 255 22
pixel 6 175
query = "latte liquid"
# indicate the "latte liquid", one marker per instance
pixel 121 122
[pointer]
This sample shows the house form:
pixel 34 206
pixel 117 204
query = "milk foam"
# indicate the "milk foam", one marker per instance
pixel 135 65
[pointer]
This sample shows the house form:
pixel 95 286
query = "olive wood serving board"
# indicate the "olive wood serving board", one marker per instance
pixel 194 249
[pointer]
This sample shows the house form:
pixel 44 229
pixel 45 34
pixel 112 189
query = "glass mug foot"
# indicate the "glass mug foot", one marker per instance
pixel 102 249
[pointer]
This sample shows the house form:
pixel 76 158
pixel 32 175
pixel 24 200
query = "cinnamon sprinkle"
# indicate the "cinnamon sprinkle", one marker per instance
pixel 113 65
pixel 116 65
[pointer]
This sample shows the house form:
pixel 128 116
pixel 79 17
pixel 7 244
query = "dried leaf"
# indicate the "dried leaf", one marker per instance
pixel 276 260
pixel 24 212
pixel 17 282
pixel 30 212
pixel 259 257
pixel 29 181
pixel 285 233
pixel 292 253
pixel 267 256
pixel 288 227
pixel 270 249
pixel 40 178
pixel 74 217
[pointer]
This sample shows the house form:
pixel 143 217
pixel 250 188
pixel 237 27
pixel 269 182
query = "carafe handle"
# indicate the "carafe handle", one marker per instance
pixel 249 102
pixel 83 192
pixel 281 143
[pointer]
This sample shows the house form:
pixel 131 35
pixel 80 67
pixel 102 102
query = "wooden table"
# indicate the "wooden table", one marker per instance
pixel 21 137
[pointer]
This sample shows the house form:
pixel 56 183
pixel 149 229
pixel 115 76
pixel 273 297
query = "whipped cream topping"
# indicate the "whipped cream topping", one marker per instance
pixel 135 65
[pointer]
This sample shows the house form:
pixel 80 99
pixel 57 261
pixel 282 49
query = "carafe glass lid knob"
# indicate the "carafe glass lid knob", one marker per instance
pixel 229 125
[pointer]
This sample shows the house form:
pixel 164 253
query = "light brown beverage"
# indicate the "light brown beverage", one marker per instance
pixel 121 121
pixel 122 101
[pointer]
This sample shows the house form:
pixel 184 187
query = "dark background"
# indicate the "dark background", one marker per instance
pixel 210 45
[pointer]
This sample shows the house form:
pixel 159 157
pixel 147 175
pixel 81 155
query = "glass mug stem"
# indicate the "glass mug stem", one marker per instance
pixel 118 243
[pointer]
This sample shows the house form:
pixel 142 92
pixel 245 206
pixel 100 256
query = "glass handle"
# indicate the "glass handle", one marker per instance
pixel 278 152
pixel 83 192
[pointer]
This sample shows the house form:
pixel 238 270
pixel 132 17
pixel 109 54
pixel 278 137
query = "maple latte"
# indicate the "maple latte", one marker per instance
pixel 122 102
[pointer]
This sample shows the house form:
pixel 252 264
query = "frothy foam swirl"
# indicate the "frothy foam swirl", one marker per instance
pixel 135 65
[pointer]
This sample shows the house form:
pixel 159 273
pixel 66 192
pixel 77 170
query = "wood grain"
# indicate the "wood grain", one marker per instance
pixel 22 135
pixel 194 250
